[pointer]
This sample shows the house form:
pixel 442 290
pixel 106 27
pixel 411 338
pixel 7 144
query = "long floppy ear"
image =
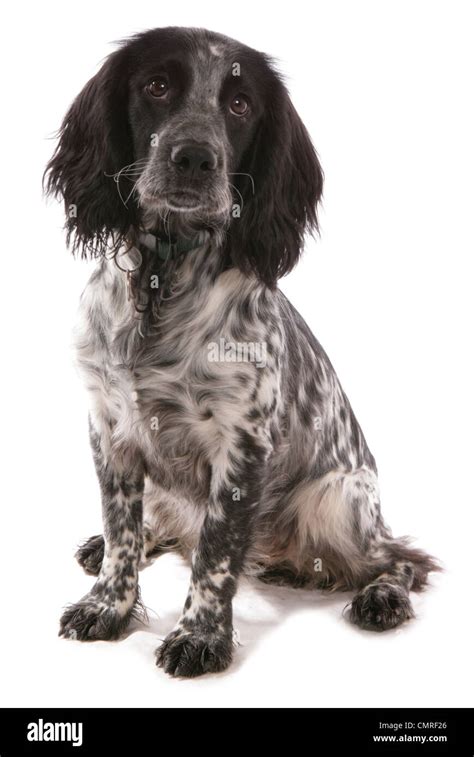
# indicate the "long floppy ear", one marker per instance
pixel 280 201
pixel 94 144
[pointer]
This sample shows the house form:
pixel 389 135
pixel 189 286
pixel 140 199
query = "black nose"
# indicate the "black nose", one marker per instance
pixel 194 160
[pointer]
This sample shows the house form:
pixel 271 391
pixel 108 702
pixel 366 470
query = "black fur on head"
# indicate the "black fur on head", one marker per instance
pixel 281 205
pixel 178 85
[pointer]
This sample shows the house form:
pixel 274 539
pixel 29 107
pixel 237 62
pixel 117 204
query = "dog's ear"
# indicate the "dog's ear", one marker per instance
pixel 281 197
pixel 94 144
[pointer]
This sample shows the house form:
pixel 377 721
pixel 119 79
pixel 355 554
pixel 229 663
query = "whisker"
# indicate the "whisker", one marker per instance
pixel 130 177
pixel 132 191
pixel 132 172
pixel 230 173
pixel 136 165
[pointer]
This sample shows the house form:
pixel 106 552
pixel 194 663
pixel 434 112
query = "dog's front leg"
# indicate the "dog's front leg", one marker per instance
pixel 202 640
pixel 106 610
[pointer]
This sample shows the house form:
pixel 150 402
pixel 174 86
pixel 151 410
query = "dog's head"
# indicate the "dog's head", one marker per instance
pixel 190 129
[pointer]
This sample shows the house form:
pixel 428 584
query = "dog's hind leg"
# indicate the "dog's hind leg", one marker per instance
pixel 339 515
pixel 385 602
pixel 394 569
pixel 90 553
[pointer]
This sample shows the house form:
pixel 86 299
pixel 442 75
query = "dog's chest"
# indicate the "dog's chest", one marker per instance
pixel 170 391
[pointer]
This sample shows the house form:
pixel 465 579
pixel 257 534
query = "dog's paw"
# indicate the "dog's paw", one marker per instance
pixel 92 619
pixel 380 607
pixel 187 654
pixel 91 554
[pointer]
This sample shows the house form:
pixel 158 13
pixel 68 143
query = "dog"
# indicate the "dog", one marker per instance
pixel 218 426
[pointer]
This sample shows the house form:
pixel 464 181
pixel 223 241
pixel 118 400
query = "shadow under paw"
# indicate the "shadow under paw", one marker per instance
pixel 380 607
pixel 188 655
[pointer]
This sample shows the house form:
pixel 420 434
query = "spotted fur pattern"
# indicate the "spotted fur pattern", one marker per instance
pixel 239 465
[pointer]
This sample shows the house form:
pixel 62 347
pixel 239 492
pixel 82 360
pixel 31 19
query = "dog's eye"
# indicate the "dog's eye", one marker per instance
pixel 239 105
pixel 159 87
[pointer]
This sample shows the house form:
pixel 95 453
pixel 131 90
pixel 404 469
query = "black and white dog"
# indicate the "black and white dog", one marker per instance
pixel 219 428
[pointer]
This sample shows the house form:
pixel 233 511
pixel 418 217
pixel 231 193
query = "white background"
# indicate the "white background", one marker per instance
pixel 385 89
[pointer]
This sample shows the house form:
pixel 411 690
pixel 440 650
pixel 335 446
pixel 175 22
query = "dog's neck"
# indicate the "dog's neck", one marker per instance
pixel 174 234
pixel 156 264
pixel 167 246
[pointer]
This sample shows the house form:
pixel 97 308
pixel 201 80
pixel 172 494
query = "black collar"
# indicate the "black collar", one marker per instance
pixel 168 247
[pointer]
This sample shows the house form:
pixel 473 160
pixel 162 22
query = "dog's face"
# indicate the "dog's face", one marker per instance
pixel 195 102
pixel 192 129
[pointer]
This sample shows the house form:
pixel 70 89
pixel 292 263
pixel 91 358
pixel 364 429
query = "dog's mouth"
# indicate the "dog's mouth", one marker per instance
pixel 183 200
pixel 193 201
pixel 180 201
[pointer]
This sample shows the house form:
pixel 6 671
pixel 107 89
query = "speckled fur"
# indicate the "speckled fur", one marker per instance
pixel 237 466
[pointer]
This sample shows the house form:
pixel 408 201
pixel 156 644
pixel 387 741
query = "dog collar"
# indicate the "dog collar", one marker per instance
pixel 167 248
